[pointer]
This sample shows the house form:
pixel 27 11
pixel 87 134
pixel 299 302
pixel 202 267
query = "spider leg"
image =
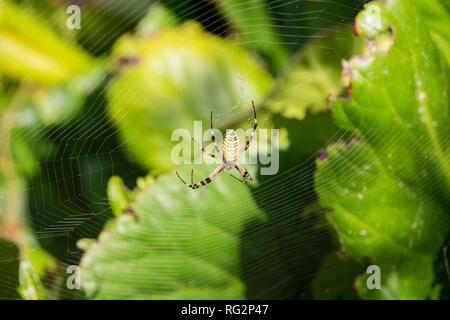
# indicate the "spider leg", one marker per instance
pixel 204 182
pixel 252 134
pixel 192 176
pixel 244 173
pixel 204 150
pixel 237 178
pixel 213 137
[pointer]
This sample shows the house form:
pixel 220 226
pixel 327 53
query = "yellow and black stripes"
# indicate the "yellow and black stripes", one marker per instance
pixel 208 179
pixel 244 173
pixel 204 182
pixel 230 152
pixel 230 146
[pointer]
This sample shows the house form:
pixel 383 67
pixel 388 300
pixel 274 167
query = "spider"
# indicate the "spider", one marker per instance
pixel 229 155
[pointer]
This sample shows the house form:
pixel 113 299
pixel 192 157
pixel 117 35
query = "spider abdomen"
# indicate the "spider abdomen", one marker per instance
pixel 230 146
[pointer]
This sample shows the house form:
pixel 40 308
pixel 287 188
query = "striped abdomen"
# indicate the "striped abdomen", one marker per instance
pixel 230 146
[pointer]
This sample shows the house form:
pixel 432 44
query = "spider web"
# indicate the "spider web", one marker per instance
pixel 67 200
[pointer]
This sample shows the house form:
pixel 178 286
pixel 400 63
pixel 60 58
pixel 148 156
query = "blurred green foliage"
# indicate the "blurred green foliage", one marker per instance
pixel 30 50
pixel 9 266
pixel 174 83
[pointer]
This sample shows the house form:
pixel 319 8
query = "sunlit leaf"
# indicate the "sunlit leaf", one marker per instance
pixel 177 244
pixel 389 191
pixel 156 18
pixel 119 196
pixel 314 75
pixel 30 287
pixel 30 50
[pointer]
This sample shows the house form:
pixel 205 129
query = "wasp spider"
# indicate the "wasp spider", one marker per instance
pixel 228 155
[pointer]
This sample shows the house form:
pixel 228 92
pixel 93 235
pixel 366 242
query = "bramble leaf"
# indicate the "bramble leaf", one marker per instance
pixel 390 191
pixel 177 244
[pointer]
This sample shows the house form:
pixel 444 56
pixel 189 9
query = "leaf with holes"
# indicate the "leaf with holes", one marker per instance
pixel 389 191
pixel 314 75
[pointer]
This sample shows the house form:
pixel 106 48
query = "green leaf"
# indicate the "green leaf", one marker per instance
pixel 305 125
pixel 24 157
pixel 335 278
pixel 102 22
pixel 64 102
pixel 119 196
pixel 315 74
pixel 270 240
pixel 279 256
pixel 176 77
pixel 178 244
pixel 435 13
pixel 389 191
pixel 40 260
pixel 256 28
pixel 157 17
pixel 164 221
pixel 436 17
pixel 382 218
pixel 30 287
